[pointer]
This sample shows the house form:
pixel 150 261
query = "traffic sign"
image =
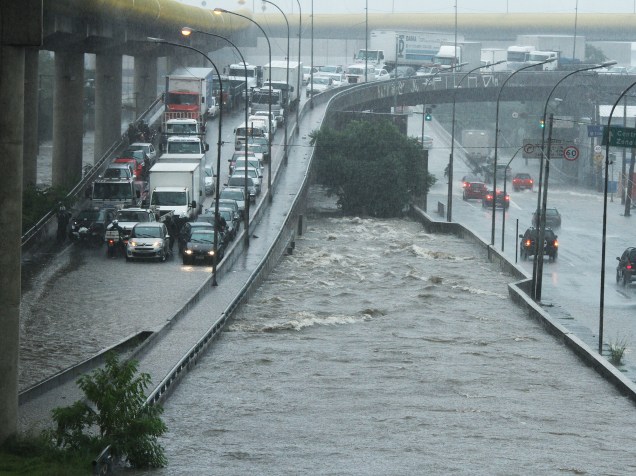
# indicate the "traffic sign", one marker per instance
pixel 616 136
pixel 532 149
pixel 571 152
pixel 515 115
pixel 597 148
pixel 595 130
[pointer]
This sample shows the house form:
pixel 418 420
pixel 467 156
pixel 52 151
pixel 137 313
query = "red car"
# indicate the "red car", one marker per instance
pixel 474 190
pixel 522 181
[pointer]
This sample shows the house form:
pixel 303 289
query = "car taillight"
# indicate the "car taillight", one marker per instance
pixel 556 244
pixel 629 266
pixel 507 197
pixel 531 181
pixel 528 243
pixel 489 197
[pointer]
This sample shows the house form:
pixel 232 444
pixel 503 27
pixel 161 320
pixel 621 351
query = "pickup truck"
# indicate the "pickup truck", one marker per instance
pixel 127 218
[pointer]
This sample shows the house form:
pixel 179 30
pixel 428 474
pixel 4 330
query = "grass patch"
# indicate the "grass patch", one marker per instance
pixel 617 350
pixel 37 456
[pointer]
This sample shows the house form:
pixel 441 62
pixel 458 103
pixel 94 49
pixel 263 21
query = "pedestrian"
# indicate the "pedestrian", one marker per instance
pixel 172 230
pixel 221 224
pixel 63 217
pixel 132 133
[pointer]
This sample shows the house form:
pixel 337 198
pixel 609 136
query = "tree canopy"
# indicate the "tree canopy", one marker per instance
pixel 372 168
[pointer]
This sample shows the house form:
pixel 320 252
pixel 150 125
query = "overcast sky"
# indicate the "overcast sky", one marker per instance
pixel 433 6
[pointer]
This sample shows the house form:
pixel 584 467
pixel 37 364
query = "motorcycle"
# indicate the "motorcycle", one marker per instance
pixel 115 246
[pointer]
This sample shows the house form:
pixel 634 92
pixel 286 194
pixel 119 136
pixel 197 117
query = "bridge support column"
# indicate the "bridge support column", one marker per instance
pixel 145 87
pixel 11 136
pixel 31 97
pixel 108 79
pixel 68 115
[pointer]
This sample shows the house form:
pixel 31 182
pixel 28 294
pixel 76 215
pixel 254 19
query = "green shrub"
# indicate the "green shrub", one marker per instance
pixel 115 403
pixel 37 202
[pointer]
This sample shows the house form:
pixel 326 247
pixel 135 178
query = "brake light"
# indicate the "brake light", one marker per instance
pixel 507 197
pixel 531 181
pixel 629 266
pixel 528 243
pixel 556 244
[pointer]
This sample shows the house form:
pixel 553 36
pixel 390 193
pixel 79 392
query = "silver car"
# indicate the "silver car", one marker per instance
pixel 148 241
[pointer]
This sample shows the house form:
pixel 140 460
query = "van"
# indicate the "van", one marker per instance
pixel 237 181
pixel 241 132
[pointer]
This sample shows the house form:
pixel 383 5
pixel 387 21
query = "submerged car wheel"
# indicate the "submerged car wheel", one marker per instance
pixel 618 277
pixel 625 280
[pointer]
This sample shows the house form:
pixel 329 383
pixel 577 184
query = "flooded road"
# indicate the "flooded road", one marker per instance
pixel 377 348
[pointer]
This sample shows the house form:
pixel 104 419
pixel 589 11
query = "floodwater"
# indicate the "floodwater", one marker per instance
pixel 377 348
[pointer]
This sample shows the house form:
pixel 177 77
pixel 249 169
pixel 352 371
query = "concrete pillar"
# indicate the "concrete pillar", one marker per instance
pixel 11 125
pixel 145 86
pixel 108 79
pixel 31 98
pixel 68 115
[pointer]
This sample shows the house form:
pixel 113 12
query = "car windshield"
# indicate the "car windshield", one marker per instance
pixel 129 215
pixel 184 148
pixel 168 198
pixel 551 212
pixel 202 236
pixel 226 214
pixel 146 232
pixel 233 194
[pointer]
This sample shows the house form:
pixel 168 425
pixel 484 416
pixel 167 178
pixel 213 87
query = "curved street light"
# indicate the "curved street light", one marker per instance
pixel 299 72
pixel 218 157
pixel 449 204
pixel 537 264
pixel 494 174
pixel 603 245
pixel 287 77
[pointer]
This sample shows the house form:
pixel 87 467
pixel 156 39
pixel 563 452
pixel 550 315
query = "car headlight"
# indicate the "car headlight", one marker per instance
pixel 156 244
pixel 211 252
pixel 132 243
pixel 188 252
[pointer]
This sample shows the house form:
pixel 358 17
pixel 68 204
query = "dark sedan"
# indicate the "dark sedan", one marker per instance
pixel 626 268
pixel 90 224
pixel 501 200
pixel 552 218
pixel 200 247
pixel 187 229
pixel 529 243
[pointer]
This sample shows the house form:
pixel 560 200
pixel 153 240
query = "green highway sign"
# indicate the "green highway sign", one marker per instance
pixel 616 136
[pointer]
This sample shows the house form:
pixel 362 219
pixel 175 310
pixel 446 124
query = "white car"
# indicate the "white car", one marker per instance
pixel 147 147
pixel 210 185
pixel 307 73
pixel 264 115
pixel 382 75
pixel 321 84
pixel 213 108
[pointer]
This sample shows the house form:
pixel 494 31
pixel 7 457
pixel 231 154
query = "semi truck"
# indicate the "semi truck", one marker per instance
pixel 389 48
pixel 263 97
pixel 517 56
pixel 117 191
pixel 490 56
pixel 467 54
pixel 275 73
pixel 254 75
pixel 177 187
pixel 188 92
pixel 571 49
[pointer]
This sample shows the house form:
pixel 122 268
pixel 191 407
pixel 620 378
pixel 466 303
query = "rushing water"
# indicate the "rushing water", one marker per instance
pixel 377 348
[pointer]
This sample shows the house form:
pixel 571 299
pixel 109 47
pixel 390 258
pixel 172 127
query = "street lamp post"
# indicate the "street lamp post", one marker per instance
pixel 603 244
pixel 285 111
pixel 449 204
pixel 503 215
pixel 299 72
pixel 494 175
pixel 537 264
pixel 219 142
pixel 270 192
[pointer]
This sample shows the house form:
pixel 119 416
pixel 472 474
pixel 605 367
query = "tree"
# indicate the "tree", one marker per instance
pixel 116 404
pixel 372 168
pixel 594 55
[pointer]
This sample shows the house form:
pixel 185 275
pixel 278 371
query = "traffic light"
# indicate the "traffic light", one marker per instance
pixel 428 116
pixel 541 123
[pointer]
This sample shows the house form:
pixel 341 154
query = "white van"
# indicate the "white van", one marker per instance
pixel 255 129
pixel 356 73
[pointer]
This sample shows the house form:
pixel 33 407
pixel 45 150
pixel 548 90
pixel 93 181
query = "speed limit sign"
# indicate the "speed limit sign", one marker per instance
pixel 571 153
pixel 598 148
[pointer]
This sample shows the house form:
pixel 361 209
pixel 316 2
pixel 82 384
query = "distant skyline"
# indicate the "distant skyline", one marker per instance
pixel 432 6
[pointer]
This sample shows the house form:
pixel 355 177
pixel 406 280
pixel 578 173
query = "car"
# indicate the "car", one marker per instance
pixel 228 203
pixel 210 185
pixel 307 70
pixel 213 108
pixel 136 159
pixel 239 154
pixel 127 218
pixel 382 75
pixel 187 229
pixel 238 181
pixel 118 171
pixel 474 190
pixel 615 70
pixel 552 218
pixel 427 71
pixel 426 141
pixel 626 268
pixel 522 181
pixel 528 245
pixel 258 144
pixel 403 72
pixel 148 241
pixel 501 200
pixel 89 225
pixel 331 69
pixel 252 163
pixel 252 172
pixel 147 147
pixel 200 247
pixel 237 194
pixel 338 79
pixel 320 84
pixel 232 220
pixel 266 114
pixel 466 179
pixel 229 231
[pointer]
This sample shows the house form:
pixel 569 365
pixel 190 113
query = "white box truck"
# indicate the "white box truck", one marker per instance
pixel 176 187
pixel 187 158
pixel 468 53
pixel 276 74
